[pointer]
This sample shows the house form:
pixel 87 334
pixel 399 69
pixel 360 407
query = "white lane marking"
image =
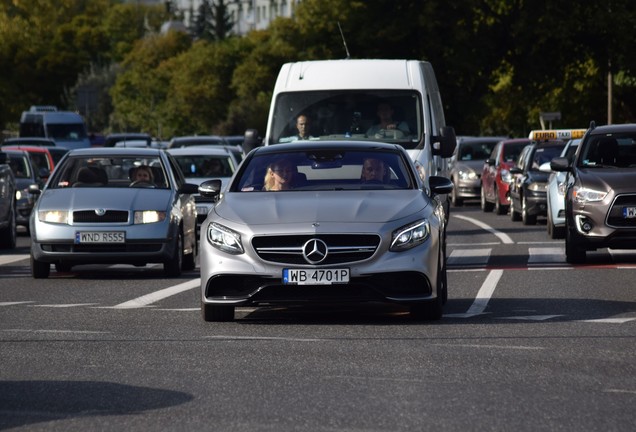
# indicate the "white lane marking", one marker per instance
pixel 180 309
pixel 517 347
pixel 465 257
pixel 154 297
pixel 229 338
pixel 619 391
pixel 473 244
pixel 505 238
pixel 546 255
pixel 531 317
pixel 54 331
pixel 14 303
pixel 610 320
pixel 8 259
pixel 483 296
pixel 63 305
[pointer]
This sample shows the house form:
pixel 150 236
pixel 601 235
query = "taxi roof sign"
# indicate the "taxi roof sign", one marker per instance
pixel 551 134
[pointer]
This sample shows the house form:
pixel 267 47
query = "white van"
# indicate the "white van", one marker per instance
pixel 66 128
pixel 341 100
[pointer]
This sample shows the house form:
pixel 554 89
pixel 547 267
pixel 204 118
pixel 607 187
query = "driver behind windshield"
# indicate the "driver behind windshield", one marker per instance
pixel 385 113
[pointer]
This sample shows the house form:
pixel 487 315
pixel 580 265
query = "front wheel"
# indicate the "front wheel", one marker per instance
pixel 574 253
pixel 455 200
pixel 526 217
pixel 39 269
pixel 9 233
pixel 485 205
pixel 172 267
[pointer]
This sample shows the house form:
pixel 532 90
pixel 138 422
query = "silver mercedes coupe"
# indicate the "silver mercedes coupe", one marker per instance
pixel 324 222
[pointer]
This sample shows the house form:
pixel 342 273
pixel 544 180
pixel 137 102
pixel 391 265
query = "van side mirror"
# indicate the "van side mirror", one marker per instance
pixel 251 140
pixel 444 144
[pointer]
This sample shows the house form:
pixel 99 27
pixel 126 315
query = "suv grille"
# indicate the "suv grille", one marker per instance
pixel 342 248
pixel 615 216
pixel 111 216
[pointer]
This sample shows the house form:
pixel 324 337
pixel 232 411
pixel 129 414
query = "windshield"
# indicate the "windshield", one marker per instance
pixel 384 115
pixel 616 150
pixel 142 172
pixel 324 170
pixel 67 131
pixel 203 166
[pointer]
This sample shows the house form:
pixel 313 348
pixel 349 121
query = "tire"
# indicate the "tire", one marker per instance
pixel 527 218
pixel 433 310
pixel 8 235
pixel 574 253
pixel 455 200
pixel 485 205
pixel 500 209
pixel 39 269
pixel 515 216
pixel 172 267
pixel 189 260
pixel 217 313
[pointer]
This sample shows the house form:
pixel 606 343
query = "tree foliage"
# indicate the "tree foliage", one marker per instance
pixel 499 63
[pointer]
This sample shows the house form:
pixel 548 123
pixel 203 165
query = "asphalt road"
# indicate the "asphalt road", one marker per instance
pixel 527 343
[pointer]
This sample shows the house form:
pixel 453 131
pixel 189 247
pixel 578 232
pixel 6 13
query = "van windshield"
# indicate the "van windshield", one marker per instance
pixel 373 115
pixel 66 131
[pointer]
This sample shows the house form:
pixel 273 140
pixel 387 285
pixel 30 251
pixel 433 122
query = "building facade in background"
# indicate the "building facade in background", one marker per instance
pixel 246 15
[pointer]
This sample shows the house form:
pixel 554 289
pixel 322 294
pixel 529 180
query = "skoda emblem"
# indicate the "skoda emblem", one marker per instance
pixel 100 212
pixel 315 251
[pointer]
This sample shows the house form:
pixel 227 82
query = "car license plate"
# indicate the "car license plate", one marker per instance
pixel 315 276
pixel 629 212
pixel 83 237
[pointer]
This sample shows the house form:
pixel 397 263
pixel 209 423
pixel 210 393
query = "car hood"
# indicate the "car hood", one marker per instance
pixel 106 198
pixel 320 206
pixel 619 180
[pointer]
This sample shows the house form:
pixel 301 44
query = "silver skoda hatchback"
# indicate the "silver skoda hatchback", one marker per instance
pixel 326 222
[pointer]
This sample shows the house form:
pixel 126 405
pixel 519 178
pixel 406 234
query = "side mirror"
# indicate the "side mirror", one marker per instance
pixel 490 162
pixel 447 141
pixel 34 189
pixel 515 170
pixel 251 140
pixel 560 164
pixel 440 185
pixel 211 188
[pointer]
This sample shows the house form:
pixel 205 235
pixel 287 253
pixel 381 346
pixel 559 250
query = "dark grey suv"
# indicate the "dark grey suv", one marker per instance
pixel 7 204
pixel 600 197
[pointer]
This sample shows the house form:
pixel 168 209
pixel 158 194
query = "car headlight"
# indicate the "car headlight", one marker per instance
pixel 149 216
pixel 561 188
pixel 409 236
pixel 536 187
pixel 225 239
pixel 468 175
pixel 584 195
pixel 53 216
pixel 505 176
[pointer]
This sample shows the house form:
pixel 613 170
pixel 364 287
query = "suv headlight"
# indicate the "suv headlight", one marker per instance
pixel 225 239
pixel 536 187
pixel 583 195
pixel 409 236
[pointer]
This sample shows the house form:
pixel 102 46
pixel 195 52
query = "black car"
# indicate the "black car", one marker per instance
pixel 528 189
pixel 600 194
pixel 7 204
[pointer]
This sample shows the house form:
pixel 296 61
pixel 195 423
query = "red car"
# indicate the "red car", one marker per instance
pixel 41 157
pixel 495 176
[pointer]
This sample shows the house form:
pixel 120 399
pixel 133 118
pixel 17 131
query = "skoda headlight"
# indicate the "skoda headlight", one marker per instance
pixel 584 195
pixel 225 239
pixel 149 216
pixel 410 236
pixel 53 216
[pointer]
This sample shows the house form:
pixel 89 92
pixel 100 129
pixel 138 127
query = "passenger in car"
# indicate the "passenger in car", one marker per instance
pixel 142 174
pixel 279 176
pixel 303 126
pixel 373 171
pixel 385 113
